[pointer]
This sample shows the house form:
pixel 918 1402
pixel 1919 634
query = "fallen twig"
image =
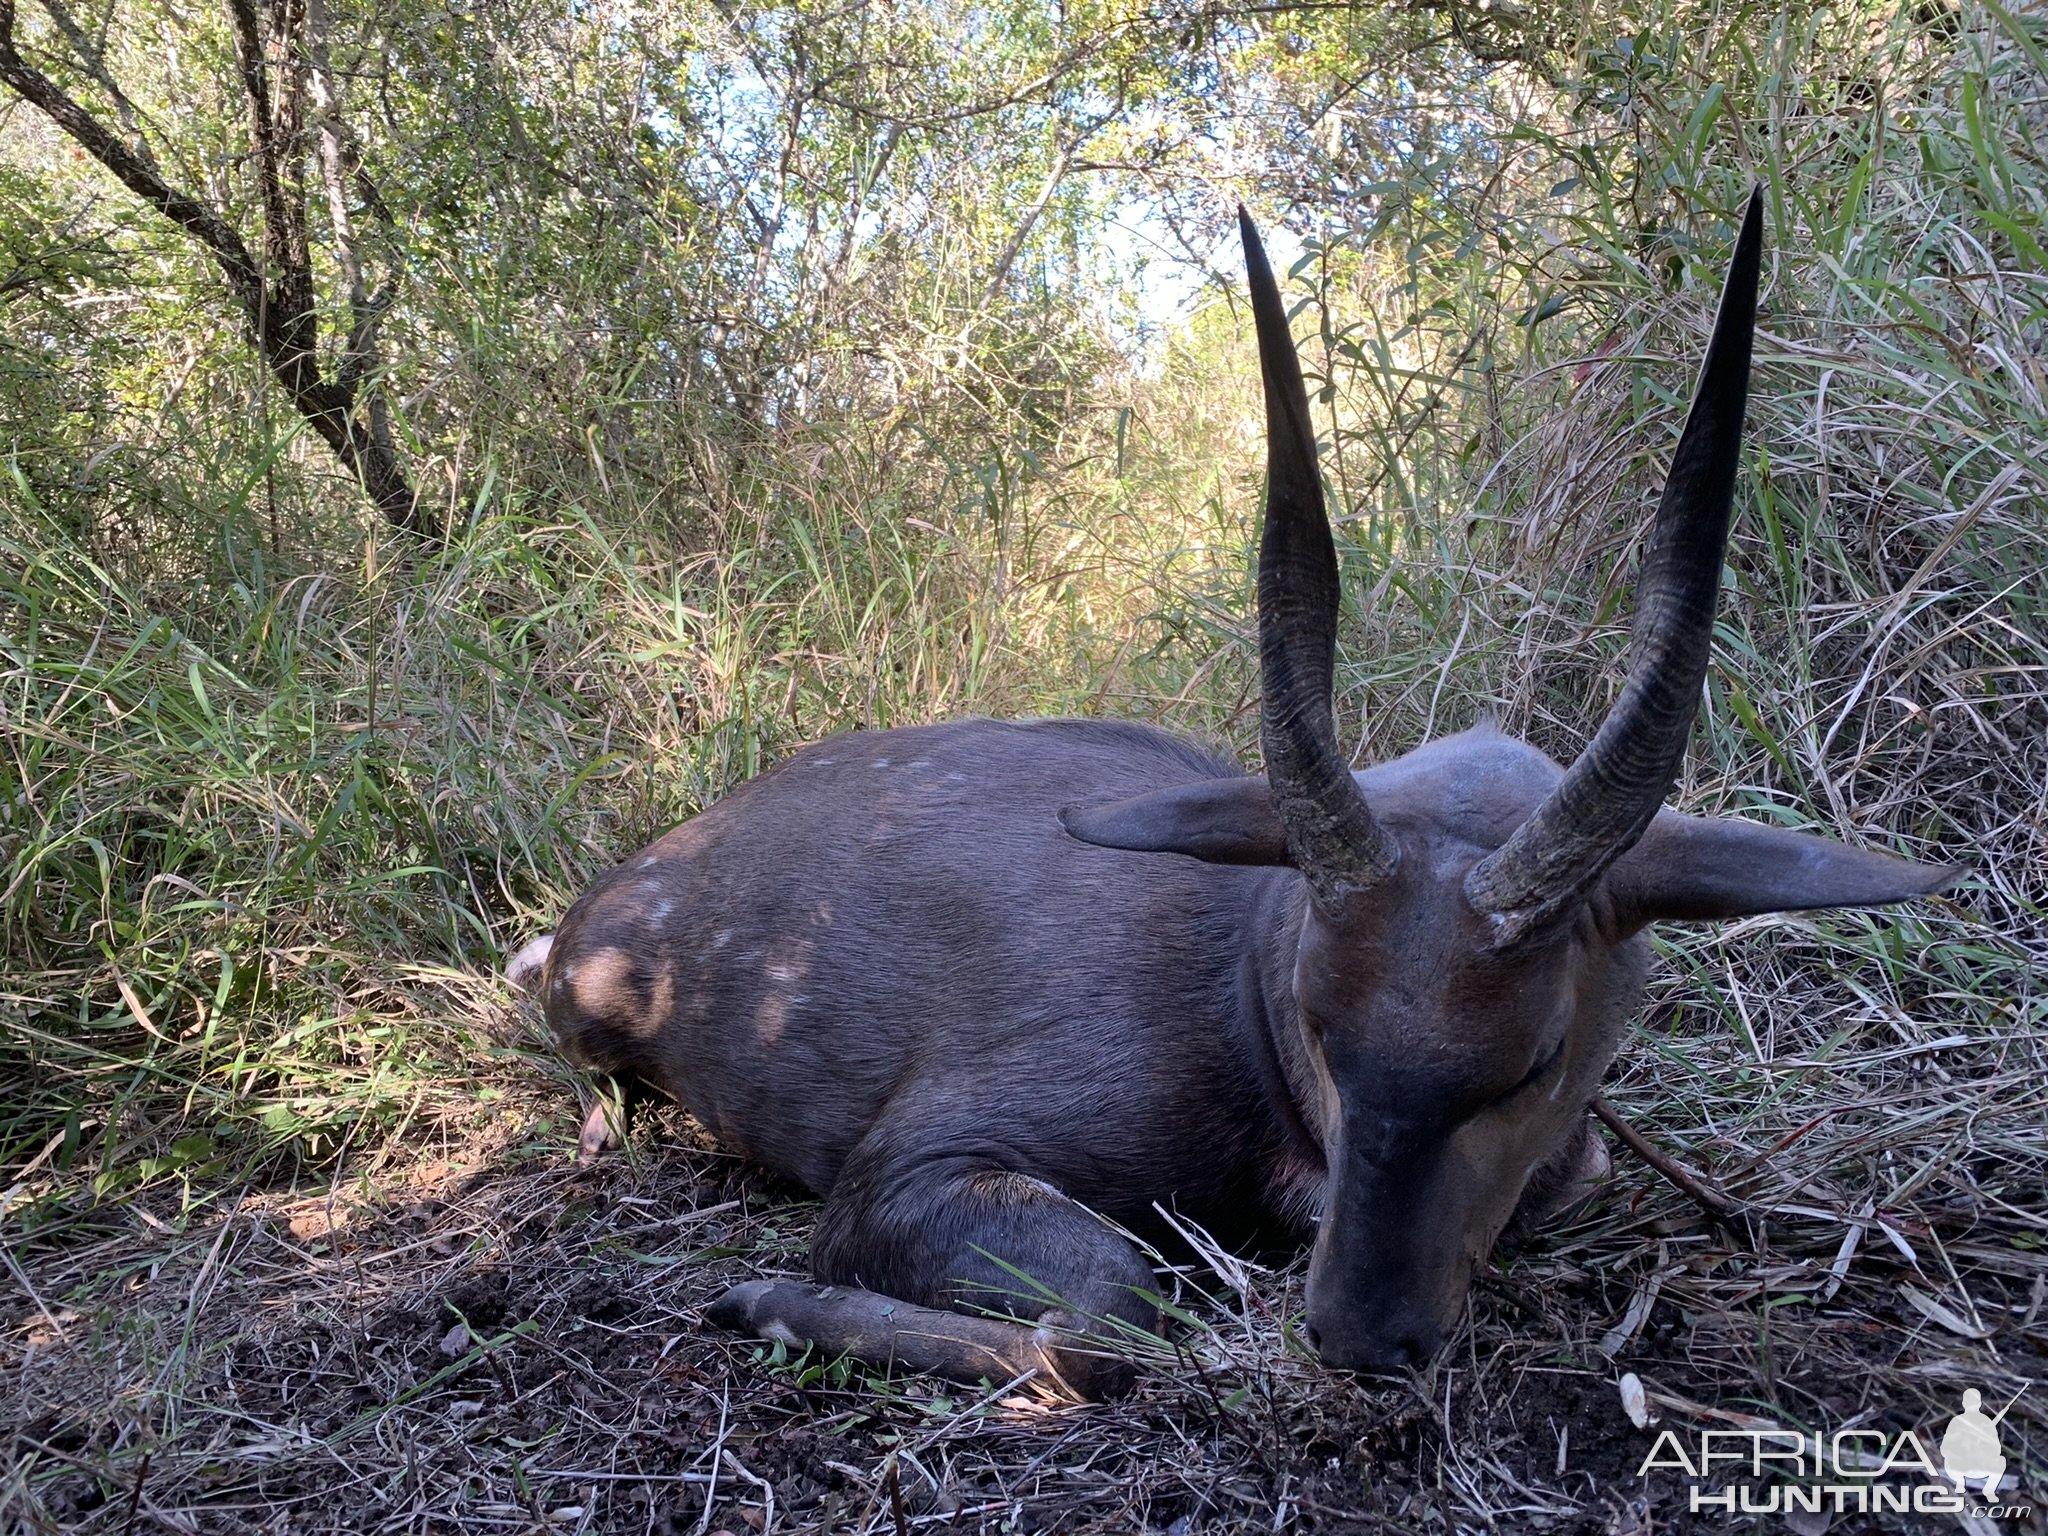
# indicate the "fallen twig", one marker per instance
pixel 1718 1204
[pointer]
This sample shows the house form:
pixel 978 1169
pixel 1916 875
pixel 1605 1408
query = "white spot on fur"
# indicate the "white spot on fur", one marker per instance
pixel 785 972
pixel 921 763
pixel 779 1332
pixel 649 862
pixel 721 938
pixel 662 909
pixel 881 762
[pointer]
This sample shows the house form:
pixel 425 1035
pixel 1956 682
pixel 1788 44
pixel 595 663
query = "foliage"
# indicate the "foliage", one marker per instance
pixel 777 369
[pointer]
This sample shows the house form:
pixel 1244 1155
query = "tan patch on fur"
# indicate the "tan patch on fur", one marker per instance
pixel 771 1018
pixel 782 978
pixel 663 1004
pixel 604 987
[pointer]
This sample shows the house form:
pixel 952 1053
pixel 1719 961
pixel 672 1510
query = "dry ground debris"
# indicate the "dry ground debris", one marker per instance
pixel 462 1330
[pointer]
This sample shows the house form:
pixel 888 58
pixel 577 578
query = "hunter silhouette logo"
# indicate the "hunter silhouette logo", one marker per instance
pixel 1969 1446
pixel 1863 1470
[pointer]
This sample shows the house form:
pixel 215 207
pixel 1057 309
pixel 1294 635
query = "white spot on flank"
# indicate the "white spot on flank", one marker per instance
pixel 881 762
pixel 823 762
pixel 778 1332
pixel 784 972
pixel 649 862
pixel 721 938
pixel 662 909
pixel 956 777
pixel 921 763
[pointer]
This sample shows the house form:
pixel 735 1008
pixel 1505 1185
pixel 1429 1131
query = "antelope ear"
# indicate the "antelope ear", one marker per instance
pixel 1688 868
pixel 1220 821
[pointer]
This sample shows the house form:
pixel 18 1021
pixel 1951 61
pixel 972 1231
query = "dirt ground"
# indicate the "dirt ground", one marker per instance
pixel 475 1334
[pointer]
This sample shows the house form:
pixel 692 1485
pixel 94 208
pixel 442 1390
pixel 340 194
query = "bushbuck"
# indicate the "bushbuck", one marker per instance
pixel 997 990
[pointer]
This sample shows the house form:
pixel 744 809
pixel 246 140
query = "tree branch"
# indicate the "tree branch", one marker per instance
pixel 92 58
pixel 281 324
pixel 195 218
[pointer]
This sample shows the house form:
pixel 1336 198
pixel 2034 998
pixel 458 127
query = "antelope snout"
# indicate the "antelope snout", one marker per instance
pixel 1392 1338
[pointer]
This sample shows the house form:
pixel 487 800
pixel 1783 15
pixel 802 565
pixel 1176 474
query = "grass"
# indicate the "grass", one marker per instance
pixel 289 1200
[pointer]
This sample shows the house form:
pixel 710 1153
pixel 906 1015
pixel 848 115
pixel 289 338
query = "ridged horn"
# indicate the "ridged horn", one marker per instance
pixel 1331 835
pixel 1606 798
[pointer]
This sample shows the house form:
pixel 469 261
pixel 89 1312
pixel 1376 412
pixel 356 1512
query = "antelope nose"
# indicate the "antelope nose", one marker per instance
pixel 1402 1343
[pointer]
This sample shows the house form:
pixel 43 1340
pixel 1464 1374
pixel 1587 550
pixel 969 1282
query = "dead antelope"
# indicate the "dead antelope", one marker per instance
pixel 976 983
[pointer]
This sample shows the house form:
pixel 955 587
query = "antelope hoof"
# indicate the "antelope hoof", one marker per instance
pixel 1596 1163
pixel 1588 1169
pixel 734 1311
pixel 1081 1364
pixel 601 1134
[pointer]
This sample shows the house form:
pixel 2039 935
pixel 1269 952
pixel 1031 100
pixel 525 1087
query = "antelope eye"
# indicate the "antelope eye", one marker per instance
pixel 1538 1072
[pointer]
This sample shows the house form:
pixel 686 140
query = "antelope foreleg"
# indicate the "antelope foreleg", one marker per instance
pixel 845 1320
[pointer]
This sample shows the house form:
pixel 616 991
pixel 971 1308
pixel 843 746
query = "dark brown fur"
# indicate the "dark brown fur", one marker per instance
pixel 886 970
pixel 982 985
